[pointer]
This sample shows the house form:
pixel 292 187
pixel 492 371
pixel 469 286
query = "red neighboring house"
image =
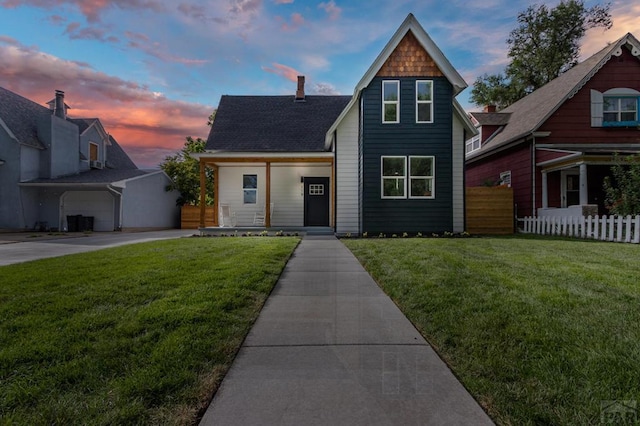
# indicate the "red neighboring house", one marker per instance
pixel 555 146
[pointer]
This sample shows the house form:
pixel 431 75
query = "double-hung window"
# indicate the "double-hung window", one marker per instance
pixel 424 101
pixel 620 110
pixel 249 189
pixel 472 144
pixel 421 176
pixel 394 177
pixel 391 101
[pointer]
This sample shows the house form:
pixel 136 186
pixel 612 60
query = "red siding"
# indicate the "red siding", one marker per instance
pixel 518 160
pixel 571 123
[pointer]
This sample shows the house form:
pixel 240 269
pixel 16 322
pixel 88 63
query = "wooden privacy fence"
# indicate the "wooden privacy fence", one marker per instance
pixel 489 210
pixel 613 228
pixel 190 217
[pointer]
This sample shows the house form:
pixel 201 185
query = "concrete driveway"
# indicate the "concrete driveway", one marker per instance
pixel 23 247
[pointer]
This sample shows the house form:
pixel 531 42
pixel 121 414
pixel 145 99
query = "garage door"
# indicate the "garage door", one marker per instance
pixel 99 204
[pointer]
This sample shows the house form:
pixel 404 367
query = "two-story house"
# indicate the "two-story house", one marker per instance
pixel 388 159
pixel 555 146
pixel 62 173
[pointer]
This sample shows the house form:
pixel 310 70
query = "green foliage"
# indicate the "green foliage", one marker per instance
pixel 623 190
pixel 544 45
pixel 135 335
pixel 184 171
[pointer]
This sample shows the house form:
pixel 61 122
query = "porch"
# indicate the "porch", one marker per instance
pixel 254 192
pixel 571 185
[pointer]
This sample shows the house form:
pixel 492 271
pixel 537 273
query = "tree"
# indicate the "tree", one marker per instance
pixel 623 190
pixel 184 171
pixel 545 44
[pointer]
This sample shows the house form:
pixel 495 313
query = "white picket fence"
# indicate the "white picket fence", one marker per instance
pixel 612 228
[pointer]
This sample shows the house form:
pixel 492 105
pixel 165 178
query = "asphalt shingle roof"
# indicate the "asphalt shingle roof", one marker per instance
pixel 530 112
pixel 21 117
pixel 491 118
pixel 274 123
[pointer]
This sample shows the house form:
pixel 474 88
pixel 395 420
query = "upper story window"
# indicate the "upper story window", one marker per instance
pixel 391 101
pixel 424 101
pixel 472 144
pixel 93 151
pixel 617 107
pixel 619 111
pixel 249 189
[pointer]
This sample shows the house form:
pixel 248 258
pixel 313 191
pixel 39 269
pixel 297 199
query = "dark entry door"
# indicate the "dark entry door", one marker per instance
pixel 316 201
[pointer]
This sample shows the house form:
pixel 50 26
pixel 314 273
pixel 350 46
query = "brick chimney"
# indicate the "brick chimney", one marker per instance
pixel 490 108
pixel 59 109
pixel 300 91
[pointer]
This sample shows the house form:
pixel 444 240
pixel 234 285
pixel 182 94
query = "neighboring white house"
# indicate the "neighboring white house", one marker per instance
pixel 62 173
pixel 389 158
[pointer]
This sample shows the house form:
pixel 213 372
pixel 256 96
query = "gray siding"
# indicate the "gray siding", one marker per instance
pixel 407 138
pixel 347 193
pixel 458 175
pixel 146 204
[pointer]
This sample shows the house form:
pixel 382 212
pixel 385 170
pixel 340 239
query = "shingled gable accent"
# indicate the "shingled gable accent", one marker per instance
pixel 410 25
pixel 409 59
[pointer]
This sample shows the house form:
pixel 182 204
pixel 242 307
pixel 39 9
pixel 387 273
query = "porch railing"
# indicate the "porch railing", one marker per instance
pixel 622 229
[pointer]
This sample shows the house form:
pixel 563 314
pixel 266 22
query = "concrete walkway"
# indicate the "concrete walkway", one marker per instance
pixel 330 348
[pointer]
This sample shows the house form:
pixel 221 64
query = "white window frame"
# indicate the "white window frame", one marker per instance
pixel 383 178
pixel 471 143
pixel 505 178
pixel 420 102
pixel 97 151
pixel 396 102
pixel 245 190
pixel 431 178
pixel 618 111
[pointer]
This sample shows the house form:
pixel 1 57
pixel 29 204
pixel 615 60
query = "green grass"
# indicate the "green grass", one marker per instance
pixel 140 334
pixel 540 331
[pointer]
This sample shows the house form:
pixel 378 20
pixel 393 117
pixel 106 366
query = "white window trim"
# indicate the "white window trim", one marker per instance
pixel 97 151
pixel 383 178
pixel 418 102
pixel 619 111
pixel 250 189
pixel 396 102
pixel 432 177
pixel 471 142
pixel 505 178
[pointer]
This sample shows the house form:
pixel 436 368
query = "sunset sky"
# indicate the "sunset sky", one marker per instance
pixel 153 70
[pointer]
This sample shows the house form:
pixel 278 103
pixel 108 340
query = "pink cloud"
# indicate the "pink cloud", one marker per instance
pixel 143 121
pixel 91 9
pixel 297 20
pixel 332 10
pixel 285 71
pixel 283 1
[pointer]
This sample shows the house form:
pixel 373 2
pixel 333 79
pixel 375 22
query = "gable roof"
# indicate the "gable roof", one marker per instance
pixel 530 112
pixel 273 123
pixel 20 116
pixel 410 24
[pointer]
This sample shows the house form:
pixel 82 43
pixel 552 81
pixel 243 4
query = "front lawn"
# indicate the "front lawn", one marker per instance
pixel 137 334
pixel 540 331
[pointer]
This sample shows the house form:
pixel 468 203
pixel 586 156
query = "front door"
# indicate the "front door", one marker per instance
pixel 570 188
pixel 316 201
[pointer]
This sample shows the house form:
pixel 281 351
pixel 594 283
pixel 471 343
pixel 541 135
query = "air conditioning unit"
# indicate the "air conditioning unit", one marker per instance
pixel 95 164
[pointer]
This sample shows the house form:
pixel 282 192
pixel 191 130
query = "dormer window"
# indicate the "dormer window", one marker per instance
pixel 391 101
pixel 472 144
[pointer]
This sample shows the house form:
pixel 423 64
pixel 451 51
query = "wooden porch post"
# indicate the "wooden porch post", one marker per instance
pixel 584 194
pixel 545 191
pixel 203 193
pixel 215 196
pixel 267 205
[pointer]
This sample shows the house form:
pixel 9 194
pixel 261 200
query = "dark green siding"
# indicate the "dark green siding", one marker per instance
pixel 407 138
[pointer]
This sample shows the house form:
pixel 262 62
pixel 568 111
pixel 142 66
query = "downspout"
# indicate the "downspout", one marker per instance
pixel 533 176
pixel 118 195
